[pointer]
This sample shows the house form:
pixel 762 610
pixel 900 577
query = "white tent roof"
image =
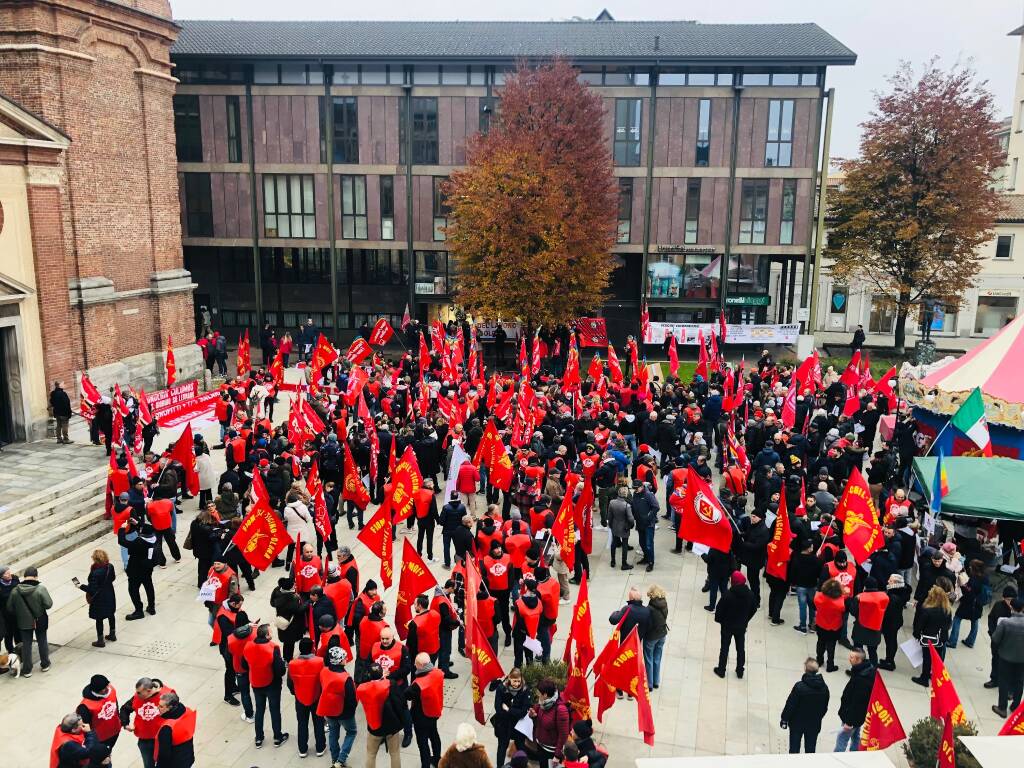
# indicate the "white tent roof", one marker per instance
pixel 820 760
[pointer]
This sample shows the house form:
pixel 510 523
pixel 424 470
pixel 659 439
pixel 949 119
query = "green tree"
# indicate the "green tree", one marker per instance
pixel 917 203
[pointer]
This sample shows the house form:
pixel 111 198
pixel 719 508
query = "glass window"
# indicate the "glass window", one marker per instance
pixel 314 74
pixel 424 131
pixel 234 129
pixel 432 273
pixel 265 72
pixel 198 205
pixel 692 211
pixel 591 75
pixel 701 78
pixel 374 74
pixel 725 78
pixel 454 75
pixel 778 150
pixel 809 78
pixel 618 76
pixel 377 267
pixel 627 131
pixel 293 74
pixel 642 78
pixel 387 207
pixel 993 313
pixel 748 273
pixel 477 76
pixel 353 207
pixel 943 318
pixel 441 209
pixel 426 74
pixel 883 315
pixel 288 206
pixel 1004 246
pixel 625 208
pixel 188 132
pixel 670 77
pixel 346 130
pixel 753 211
pixel 703 152
pixel 756 78
pixel 346 75
pixel 678 276
pixel 788 211
pixel 488 111
pixel 786 78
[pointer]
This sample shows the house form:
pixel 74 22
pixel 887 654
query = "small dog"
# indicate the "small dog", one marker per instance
pixel 10 662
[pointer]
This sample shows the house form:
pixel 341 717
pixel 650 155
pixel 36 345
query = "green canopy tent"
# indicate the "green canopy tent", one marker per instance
pixel 978 486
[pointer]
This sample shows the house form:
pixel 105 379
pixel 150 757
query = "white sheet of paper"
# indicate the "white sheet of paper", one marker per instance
pixel 866 565
pixel 459 457
pixel 700 549
pixel 858 428
pixel 532 644
pixel 525 727
pixel 208 591
pixel 815 525
pixel 912 650
pixel 769 519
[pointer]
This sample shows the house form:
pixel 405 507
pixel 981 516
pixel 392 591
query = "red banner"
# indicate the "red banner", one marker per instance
pixel 563 531
pixel 882 727
pixel 581 631
pixel 704 519
pixel 779 550
pixel 405 481
pixel 414 579
pixel 382 332
pixel 861 532
pixel 484 666
pixel 321 519
pixel 944 698
pixel 593 332
pixel 261 537
pixel 185 453
pixel 358 351
pixel 377 537
pixel 353 488
pixel 625 672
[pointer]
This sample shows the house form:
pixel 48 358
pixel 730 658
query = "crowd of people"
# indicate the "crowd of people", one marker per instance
pixel 620 439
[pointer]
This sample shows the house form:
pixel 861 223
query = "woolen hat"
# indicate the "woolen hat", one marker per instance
pixel 98 683
pixel 737 578
pixel 583 729
pixel 1009 591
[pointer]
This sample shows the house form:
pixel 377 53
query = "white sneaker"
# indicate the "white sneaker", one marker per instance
pixel 246 719
pixel 564 601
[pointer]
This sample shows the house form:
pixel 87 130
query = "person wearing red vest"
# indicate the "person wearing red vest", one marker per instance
pixel 337 704
pixel 487 533
pixel 361 607
pixel 98 710
pixel 424 629
pixel 304 683
pixel 868 608
pixel 237 640
pixel 497 572
pixel 384 716
pixel 516 543
pixel 223 410
pixel 339 591
pixel 444 605
pixel 161 514
pixel 74 744
pixel 528 611
pixel 145 706
pixel 174 747
pixel 547 591
pixel 845 572
pixel 425 504
pixel 331 634
pixel 370 628
pixel 224 622
pixel 426 697
pixel 262 659
pixel 829 606
pixel 391 656
pixel 348 568
pixel 308 569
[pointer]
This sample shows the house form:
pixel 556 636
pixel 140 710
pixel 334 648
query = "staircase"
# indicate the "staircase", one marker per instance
pixel 39 528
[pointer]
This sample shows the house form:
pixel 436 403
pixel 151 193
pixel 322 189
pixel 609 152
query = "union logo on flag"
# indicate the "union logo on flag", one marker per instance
pixel 593 331
pixel 706 511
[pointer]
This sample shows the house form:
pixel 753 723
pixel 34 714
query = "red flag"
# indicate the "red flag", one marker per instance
pixel 535 359
pixel 406 317
pixel 789 408
pixel 778 548
pixel 581 631
pixel 721 327
pixel 184 452
pixel 575 693
pixel 645 322
pixel 145 414
pixel 851 374
pixel 522 352
pixel 625 671
pixel 944 698
pixel 604 692
pixel 571 377
pixel 381 333
pixel 596 368
pixel 673 356
pixel 804 375
pixel 169 364
pixel 702 356
pixel 494 454
pixel 377 537
pixel 704 519
pixel 563 531
pixel 1014 725
pixel 861 532
pixel 244 363
pixel 484 666
pixel 277 368
pixel 321 519
pixel 437 337
pixel 852 402
pixel 947 746
pixel 614 367
pixel 716 358
pixel 89 398
pixel 353 489
pixel 358 350
pixel 324 354
pixel 406 480
pixel 371 432
pixel 258 492
pixel 357 378
pixel 261 537
pixel 424 356
pixel 882 727
pixel 414 579
pixel 593 331
pixel 882 385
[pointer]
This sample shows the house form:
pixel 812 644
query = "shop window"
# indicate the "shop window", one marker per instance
pixel 883 315
pixel 993 313
pixel 683 276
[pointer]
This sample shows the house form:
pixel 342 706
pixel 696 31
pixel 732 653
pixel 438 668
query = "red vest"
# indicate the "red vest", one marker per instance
pixel 182 730
pixel 307 574
pixel 222 611
pixel 529 616
pixel 485 614
pixel 484 541
pixel 431 687
pixel 104 720
pixel 428 631
pixel 497 572
pixel 147 715
pixel 829 611
pixel 422 499
pixel 845 577
pixel 220 409
pixel 349 565
pixel 549 594
pixel 160 511
pixel 237 447
pixel 369 633
pixel 332 692
pixel 120 517
pixel 224 583
pixel 305 676
pixel 236 646
pixel 372 696
pixel 387 658
pixel 340 593
pixel 367 601
pixel 325 642
pixel 517 544
pixel 260 658
pixel 871 609
pixel 60 738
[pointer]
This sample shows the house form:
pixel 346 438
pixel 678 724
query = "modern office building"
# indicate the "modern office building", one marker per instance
pixel 310 158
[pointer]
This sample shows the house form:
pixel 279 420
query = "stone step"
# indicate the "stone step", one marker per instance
pixel 52 494
pixel 36 509
pixel 39 545
pixel 28 530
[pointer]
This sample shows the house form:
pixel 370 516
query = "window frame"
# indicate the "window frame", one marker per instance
pixel 440 209
pixel 306 213
pixel 754 194
pixel 188 128
pixel 386 186
pixel 629 145
pixel 787 217
pixel 198 204
pixel 345 132
pixel 354 221
pixel 702 145
pixel 1009 248
pixel 425 130
pixel 691 212
pixel 778 151
pixel 625 222
pixel 233 111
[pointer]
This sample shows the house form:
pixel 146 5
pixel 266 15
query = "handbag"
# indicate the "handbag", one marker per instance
pixel 187 544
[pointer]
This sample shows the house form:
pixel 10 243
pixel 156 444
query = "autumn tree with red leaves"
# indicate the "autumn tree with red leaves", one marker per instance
pixel 917 203
pixel 533 216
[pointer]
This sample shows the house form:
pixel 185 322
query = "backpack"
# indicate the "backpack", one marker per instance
pixel 985 593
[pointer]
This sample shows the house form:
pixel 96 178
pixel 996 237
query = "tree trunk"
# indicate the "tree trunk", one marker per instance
pixel 900 331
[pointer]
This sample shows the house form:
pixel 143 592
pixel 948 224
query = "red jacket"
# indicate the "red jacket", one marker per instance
pixel 469 478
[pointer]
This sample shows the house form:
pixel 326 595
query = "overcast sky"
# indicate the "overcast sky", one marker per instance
pixel 881 32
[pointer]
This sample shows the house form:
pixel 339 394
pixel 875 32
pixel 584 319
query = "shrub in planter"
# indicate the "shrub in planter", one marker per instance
pixel 922 745
pixel 534 673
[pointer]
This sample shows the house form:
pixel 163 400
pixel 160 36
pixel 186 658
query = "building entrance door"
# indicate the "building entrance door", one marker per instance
pixel 7 431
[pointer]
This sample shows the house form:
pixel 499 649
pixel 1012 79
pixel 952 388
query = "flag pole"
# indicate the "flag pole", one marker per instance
pixel 936 440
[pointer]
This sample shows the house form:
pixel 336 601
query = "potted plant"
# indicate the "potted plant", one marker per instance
pixel 922 745
pixel 534 673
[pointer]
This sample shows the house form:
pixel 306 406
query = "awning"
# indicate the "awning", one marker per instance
pixel 995 751
pixel 820 760
pixel 978 486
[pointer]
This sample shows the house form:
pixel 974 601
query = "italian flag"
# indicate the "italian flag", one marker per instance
pixel 970 419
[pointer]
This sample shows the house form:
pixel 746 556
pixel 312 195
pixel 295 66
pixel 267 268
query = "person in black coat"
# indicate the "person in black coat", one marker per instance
pixel 853 706
pixel 99 592
pixel 805 708
pixel 511 703
pixel 733 614
pixel 1000 610
pixel 141 562
pixel 60 407
pixel 633 614
pixel 892 621
pixel 720 567
pixel 753 549
pixel 932 621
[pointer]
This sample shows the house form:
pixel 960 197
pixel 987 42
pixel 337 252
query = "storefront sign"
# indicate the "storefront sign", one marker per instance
pixel 485 330
pixel 686 249
pixel 686 333
pixel 762 300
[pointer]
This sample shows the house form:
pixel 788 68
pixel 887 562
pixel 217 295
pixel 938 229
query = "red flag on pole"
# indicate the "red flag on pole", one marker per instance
pixel 596 368
pixel 645 322
pixel 673 356
pixel 625 671
pixel 169 364
pixel 571 377
pixel 484 666
pixel 381 333
pixel 575 693
pixel 944 698
pixel 414 579
pixel 277 368
pixel 406 316
pixel 321 519
pixel 851 374
pixel 789 408
pixel 614 366
pixel 861 532
pixel 353 488
pixel 377 537
pixel 184 452
pixel 406 480
pixel 702 356
pixel 563 531
pixel 779 550
pixel 605 693
pixel 704 519
pixel 581 630
pixel 721 327
pixel 947 746
pixel 424 356
pixel 261 537
pixel 882 726
pixel 244 362
pixel 358 350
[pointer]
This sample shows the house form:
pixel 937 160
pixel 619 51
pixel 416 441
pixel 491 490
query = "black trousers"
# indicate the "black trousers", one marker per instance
pixel 754 580
pixel 203 567
pixel 582 563
pixel 503 742
pixel 99 628
pixel 728 636
pixel 427 740
pixel 230 685
pixel 168 536
pixel 892 643
pixel 302 718
pixel 777 591
pixel 809 738
pixel 137 582
pixel 425 532
pixel 352 511
pixel 825 645
pixel 501 611
pixel 1011 682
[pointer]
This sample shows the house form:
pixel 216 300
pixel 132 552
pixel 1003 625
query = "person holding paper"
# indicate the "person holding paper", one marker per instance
pixel 511 704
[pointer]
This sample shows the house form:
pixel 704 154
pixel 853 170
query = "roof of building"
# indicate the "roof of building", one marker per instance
pixel 1013 208
pixel 578 40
